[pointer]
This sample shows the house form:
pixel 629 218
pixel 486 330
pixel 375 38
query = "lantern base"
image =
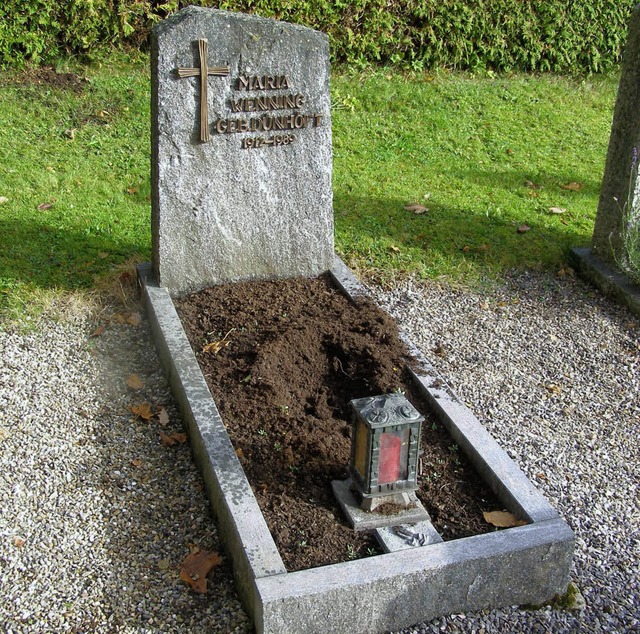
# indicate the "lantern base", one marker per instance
pixel 363 520
pixel 403 499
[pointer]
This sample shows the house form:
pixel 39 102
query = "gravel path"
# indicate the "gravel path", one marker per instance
pixel 97 514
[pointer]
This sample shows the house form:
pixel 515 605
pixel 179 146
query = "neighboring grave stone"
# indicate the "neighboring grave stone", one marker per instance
pixel 620 185
pixel 241 150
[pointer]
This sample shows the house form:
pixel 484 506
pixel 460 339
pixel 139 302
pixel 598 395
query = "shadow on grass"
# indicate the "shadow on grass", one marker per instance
pixel 39 255
pixel 526 182
pixel 382 234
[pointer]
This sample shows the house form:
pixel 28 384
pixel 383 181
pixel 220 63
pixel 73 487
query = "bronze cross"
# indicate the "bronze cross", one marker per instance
pixel 203 71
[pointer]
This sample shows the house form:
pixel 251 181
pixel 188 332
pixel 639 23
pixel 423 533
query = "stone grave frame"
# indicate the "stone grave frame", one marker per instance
pixel 406 585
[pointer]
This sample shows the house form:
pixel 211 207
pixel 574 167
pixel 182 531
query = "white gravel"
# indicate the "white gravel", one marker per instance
pixel 106 512
pixel 552 369
pixel 96 514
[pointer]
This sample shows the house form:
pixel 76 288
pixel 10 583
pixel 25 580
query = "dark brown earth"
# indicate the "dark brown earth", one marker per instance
pixel 283 359
pixel 47 76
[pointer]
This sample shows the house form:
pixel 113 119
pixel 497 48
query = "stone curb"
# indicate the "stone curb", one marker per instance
pixel 611 282
pixel 527 564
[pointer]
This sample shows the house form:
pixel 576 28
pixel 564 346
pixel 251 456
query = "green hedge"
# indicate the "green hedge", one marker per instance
pixel 534 35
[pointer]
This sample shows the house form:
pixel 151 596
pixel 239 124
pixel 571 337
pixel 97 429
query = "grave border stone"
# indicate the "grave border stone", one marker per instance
pixel 522 565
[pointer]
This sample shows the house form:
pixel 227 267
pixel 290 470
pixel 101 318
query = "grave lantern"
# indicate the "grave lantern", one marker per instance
pixel 385 441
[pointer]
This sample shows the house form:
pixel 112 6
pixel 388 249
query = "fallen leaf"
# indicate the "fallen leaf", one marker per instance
pixel 163 417
pixel 196 567
pixel 502 519
pixel 100 330
pixel 553 389
pixel 132 190
pixel 3 200
pixel 394 248
pixel 135 382
pixel 216 346
pixel 240 453
pixel 523 229
pixel 103 255
pixel 483 247
pixel 532 185
pixel 70 133
pixel 557 210
pixel 541 476
pixel 509 151
pixel 466 248
pixel 136 462
pixel 134 319
pixel 164 564
pixel 167 441
pixel 417 208
pixel 573 186
pixel 143 411
pixel 566 270
pixel 44 206
pixel 120 317
pixel 19 541
pixel 172 439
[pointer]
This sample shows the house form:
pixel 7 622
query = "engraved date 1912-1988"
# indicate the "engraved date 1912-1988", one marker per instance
pixel 260 141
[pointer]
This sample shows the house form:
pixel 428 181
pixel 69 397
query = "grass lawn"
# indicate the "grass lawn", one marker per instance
pixel 484 155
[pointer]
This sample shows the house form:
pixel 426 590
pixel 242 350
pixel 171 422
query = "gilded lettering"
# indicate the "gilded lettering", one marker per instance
pixel 317 119
pixel 221 126
pixel 262 82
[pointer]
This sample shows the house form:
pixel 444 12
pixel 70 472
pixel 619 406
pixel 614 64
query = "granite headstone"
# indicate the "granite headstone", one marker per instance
pixel 241 150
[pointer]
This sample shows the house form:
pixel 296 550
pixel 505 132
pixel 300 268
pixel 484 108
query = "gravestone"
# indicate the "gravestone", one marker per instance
pixel 241 150
pixel 620 187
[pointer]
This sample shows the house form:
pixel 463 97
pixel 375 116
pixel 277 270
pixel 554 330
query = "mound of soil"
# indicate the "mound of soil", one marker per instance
pixel 282 360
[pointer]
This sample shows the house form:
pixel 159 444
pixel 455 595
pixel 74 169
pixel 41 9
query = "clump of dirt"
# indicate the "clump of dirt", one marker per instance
pixel 47 76
pixel 283 359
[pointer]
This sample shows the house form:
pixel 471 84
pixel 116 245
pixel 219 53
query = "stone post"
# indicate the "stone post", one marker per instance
pixel 621 169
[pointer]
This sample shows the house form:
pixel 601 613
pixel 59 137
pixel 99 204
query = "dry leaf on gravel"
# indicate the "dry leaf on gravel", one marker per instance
pixel 196 567
pixel 134 319
pixel 100 330
pixel 143 410
pixel 168 440
pixel 163 417
pixel 135 382
pixel 19 541
pixel 502 519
